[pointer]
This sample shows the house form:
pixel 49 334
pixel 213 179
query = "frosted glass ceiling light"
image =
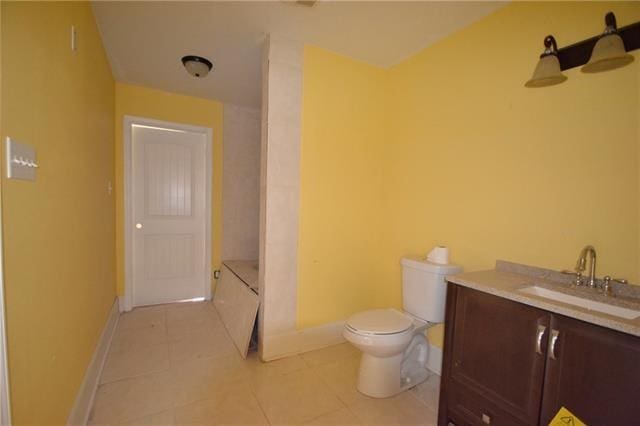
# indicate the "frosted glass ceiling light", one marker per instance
pixel 197 66
pixel 547 72
pixel 609 52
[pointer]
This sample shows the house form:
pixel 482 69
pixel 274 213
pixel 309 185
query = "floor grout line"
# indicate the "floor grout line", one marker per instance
pixel 255 396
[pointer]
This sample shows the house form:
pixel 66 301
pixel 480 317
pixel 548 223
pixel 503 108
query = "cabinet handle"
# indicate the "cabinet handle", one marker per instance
pixel 554 339
pixel 539 335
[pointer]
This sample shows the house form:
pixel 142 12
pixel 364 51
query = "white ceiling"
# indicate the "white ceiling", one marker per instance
pixel 145 40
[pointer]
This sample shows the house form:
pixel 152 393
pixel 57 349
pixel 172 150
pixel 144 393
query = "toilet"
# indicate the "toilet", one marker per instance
pixel 393 344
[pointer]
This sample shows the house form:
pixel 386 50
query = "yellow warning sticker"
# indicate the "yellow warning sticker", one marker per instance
pixel 565 417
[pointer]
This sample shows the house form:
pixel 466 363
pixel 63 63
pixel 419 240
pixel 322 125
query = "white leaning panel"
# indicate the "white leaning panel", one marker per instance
pixel 238 307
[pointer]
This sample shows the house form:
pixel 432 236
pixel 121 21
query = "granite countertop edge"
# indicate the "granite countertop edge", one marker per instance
pixel 508 278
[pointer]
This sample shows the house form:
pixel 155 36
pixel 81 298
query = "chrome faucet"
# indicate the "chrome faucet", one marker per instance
pixel 582 261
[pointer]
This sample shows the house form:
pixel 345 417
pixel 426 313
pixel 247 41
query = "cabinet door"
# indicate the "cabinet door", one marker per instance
pixel 498 352
pixel 594 372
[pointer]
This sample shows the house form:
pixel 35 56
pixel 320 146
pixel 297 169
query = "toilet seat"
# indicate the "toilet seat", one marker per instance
pixel 379 322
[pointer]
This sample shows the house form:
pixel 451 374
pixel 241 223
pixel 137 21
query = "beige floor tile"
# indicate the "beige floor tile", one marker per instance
pixel 130 399
pixel 132 361
pixel 147 316
pixel 140 336
pixel 264 371
pixel 330 354
pixel 295 398
pixel 429 391
pixel 200 344
pixel 190 311
pixel 164 418
pixel 342 377
pixel 235 404
pixel 200 378
pixel 402 409
pixel 340 417
pixel 430 417
pixel 179 327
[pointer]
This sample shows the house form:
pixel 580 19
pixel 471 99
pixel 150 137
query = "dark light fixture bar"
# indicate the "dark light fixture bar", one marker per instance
pixel 578 54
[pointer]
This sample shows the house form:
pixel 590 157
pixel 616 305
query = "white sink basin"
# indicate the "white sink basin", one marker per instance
pixel 605 308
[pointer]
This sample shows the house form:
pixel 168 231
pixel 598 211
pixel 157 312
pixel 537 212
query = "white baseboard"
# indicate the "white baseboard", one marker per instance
pixel 297 341
pixel 84 400
pixel 434 361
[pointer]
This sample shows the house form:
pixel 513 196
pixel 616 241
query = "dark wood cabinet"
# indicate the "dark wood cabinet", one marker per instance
pixel 506 363
pixel 593 371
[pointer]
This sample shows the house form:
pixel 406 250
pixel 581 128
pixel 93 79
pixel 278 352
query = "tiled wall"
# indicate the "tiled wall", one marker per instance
pixel 279 188
pixel 240 183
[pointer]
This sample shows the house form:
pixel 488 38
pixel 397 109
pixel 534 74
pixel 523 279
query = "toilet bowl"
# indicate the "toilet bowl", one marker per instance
pixel 393 343
pixel 394 351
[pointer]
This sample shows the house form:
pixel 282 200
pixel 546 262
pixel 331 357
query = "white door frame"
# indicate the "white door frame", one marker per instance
pixel 128 121
pixel 5 403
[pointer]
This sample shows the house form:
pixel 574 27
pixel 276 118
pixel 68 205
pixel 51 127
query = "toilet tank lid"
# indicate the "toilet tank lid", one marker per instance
pixel 423 264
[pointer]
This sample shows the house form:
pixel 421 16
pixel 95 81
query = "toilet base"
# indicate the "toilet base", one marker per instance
pixel 382 377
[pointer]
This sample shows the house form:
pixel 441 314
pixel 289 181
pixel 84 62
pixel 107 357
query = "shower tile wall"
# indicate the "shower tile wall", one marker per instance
pixel 241 183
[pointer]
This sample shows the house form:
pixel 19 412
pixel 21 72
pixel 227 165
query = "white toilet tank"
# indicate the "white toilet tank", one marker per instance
pixel 424 289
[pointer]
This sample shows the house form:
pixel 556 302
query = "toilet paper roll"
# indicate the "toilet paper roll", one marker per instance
pixel 439 254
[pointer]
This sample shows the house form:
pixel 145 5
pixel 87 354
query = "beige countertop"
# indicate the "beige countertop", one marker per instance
pixel 508 278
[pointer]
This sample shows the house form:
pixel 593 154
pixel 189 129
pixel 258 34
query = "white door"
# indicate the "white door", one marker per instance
pixel 168 213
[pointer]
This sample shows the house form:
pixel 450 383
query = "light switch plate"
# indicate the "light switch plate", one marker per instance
pixel 21 160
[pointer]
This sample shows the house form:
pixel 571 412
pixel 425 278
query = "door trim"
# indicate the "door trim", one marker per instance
pixel 128 121
pixel 5 396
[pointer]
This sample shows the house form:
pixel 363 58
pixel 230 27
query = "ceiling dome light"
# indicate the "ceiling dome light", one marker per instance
pixel 609 52
pixel 197 66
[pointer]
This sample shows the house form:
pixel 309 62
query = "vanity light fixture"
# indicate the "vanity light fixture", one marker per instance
pixel 609 52
pixel 547 72
pixel 197 66
pixel 605 52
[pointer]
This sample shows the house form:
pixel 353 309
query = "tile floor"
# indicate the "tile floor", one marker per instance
pixel 176 365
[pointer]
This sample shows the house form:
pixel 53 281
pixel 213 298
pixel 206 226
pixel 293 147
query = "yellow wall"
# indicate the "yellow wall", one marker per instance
pixel 475 161
pixel 58 231
pixel 342 160
pixel 150 103
pixel 498 171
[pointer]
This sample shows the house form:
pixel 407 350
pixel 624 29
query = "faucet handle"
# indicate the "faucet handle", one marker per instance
pixel 606 285
pixel 578 275
pixel 620 280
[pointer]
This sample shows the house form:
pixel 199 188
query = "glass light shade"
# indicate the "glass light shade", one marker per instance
pixel 608 54
pixel 547 72
pixel 197 68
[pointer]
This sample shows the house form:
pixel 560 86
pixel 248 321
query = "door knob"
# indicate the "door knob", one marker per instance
pixel 138 225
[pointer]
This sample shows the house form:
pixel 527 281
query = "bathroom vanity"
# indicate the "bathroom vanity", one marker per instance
pixel 512 357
